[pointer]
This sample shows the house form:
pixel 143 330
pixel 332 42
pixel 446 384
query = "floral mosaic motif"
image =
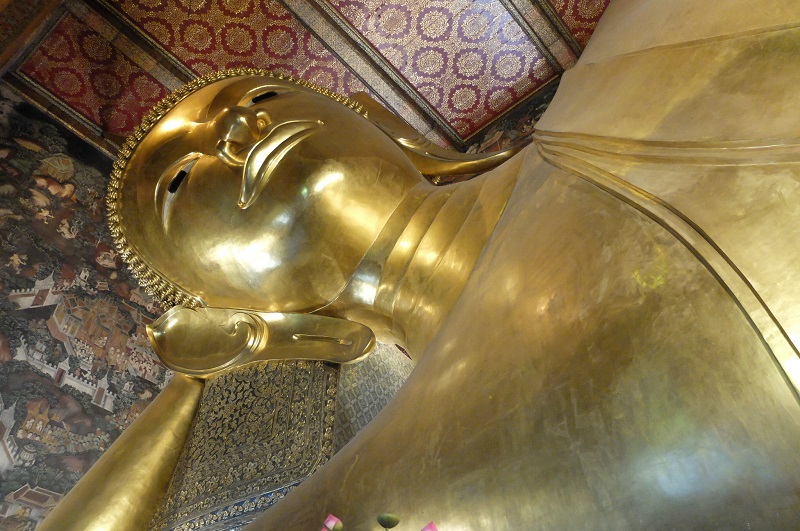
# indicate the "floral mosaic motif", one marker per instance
pixel 76 367
pixel 457 55
pixel 211 35
pixel 580 16
pixel 260 431
pixel 366 387
pixel 82 69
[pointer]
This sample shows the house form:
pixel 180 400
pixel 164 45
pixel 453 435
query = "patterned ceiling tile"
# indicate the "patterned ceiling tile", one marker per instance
pixel 15 18
pixel 83 70
pixel 135 48
pixel 538 16
pixel 580 16
pixel 210 35
pixel 469 60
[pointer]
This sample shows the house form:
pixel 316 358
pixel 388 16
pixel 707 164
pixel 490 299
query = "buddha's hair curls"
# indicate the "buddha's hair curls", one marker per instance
pixel 164 291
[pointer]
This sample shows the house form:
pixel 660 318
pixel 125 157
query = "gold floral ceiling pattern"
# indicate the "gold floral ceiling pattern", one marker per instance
pixel 470 61
pixel 450 68
pixel 580 16
pixel 207 35
pixel 92 77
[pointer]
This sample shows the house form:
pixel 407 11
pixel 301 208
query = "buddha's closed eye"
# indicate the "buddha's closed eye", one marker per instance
pixel 176 175
pixel 262 97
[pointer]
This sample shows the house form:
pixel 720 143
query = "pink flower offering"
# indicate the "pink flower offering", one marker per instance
pixel 331 522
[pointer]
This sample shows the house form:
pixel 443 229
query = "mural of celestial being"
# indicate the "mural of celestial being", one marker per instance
pixel 76 367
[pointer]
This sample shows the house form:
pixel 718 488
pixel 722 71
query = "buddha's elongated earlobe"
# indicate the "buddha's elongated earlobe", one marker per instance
pixel 201 342
pixel 429 158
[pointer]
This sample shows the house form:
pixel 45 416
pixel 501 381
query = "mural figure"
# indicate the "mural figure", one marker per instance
pixel 66 231
pixel 16 262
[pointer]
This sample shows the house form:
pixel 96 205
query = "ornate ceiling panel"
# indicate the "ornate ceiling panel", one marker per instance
pixel 580 16
pixel 210 35
pixel 81 68
pixel 469 60
pixel 452 69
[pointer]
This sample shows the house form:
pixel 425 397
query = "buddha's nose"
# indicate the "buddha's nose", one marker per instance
pixel 238 129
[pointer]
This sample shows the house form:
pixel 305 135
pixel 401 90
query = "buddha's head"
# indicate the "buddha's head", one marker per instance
pixel 251 191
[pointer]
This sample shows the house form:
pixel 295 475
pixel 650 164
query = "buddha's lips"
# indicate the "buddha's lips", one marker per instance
pixel 267 154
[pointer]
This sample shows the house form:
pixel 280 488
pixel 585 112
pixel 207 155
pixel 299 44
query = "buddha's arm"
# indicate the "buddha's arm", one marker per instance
pixel 205 341
pixel 123 489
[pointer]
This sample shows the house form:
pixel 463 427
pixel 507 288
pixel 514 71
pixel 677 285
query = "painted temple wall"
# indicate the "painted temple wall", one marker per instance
pixel 75 364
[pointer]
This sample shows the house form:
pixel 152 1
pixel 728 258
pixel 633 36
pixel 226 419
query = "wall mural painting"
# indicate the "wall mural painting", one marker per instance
pixel 515 128
pixel 75 363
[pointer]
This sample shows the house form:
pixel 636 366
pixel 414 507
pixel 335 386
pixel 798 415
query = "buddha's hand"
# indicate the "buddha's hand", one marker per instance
pixel 204 341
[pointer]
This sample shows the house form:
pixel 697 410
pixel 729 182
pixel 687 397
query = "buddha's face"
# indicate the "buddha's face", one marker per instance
pixel 257 193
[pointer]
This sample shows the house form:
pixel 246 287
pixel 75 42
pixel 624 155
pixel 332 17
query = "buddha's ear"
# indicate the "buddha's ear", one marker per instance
pixel 204 341
pixel 429 158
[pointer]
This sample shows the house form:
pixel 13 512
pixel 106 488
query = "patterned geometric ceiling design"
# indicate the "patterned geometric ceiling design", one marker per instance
pixel 469 60
pixel 83 70
pixel 451 68
pixel 580 16
pixel 208 35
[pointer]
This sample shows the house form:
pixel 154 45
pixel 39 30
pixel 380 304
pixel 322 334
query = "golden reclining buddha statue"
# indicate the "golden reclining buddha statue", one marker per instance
pixel 604 325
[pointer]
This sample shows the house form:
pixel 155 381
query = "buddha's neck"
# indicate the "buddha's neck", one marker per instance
pixel 420 263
